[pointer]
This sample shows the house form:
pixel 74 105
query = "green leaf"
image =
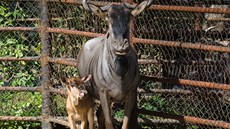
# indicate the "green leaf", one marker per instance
pixel 20 127
pixel 2 10
pixel 11 41
pixel 8 14
pixel 1 19
pixel 15 13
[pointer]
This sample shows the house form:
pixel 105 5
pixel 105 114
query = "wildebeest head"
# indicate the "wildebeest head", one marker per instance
pixel 118 17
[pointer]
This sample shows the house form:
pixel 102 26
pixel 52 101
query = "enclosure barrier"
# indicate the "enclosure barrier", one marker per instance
pixel 46 58
pixel 133 39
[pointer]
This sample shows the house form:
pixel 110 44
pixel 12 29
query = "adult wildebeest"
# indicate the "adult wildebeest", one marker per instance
pixel 111 60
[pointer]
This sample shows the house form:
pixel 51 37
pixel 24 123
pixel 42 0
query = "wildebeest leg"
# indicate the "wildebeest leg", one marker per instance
pixel 130 104
pixel 105 104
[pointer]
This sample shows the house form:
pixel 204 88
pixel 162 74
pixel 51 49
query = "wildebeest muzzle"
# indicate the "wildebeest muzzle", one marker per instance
pixel 122 47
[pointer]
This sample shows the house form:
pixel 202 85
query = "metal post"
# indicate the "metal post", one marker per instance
pixel 197 25
pixel 45 68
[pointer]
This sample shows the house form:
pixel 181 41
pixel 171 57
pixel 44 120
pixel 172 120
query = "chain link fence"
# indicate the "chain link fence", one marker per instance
pixel 182 46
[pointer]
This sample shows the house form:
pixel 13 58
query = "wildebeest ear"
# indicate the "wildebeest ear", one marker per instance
pixel 86 78
pixel 142 6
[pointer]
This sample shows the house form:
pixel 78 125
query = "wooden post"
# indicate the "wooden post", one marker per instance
pixel 45 68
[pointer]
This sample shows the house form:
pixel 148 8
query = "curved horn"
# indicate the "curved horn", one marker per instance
pixel 149 3
pixel 129 6
pixel 142 6
pixel 95 9
pixel 85 5
pixel 106 7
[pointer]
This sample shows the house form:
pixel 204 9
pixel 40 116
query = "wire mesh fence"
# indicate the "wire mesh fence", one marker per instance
pixel 182 47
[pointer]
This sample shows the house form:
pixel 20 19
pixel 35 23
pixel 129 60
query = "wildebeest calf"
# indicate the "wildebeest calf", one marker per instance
pixel 79 103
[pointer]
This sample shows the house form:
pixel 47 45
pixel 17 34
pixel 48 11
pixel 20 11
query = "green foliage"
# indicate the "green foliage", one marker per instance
pixel 19 125
pixel 20 104
pixel 20 73
pixel 119 113
pixel 155 103
pixel 7 16
pixel 60 105
pixel 16 45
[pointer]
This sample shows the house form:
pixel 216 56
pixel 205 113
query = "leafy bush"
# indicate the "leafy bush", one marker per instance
pixel 20 73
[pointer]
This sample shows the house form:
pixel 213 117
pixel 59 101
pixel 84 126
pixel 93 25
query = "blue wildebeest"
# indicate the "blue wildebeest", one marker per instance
pixel 111 60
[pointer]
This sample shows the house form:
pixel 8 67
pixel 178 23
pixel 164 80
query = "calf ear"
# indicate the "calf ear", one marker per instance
pixel 142 6
pixel 65 82
pixel 86 78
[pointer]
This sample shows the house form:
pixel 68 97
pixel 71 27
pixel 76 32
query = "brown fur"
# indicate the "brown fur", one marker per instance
pixel 79 103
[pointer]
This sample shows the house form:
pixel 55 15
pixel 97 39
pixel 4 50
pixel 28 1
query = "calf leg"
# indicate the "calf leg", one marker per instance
pixel 105 104
pixel 72 122
pixel 90 118
pixel 130 105
pixel 83 124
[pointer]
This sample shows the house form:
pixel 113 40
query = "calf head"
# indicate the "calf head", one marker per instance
pixel 76 88
pixel 118 17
